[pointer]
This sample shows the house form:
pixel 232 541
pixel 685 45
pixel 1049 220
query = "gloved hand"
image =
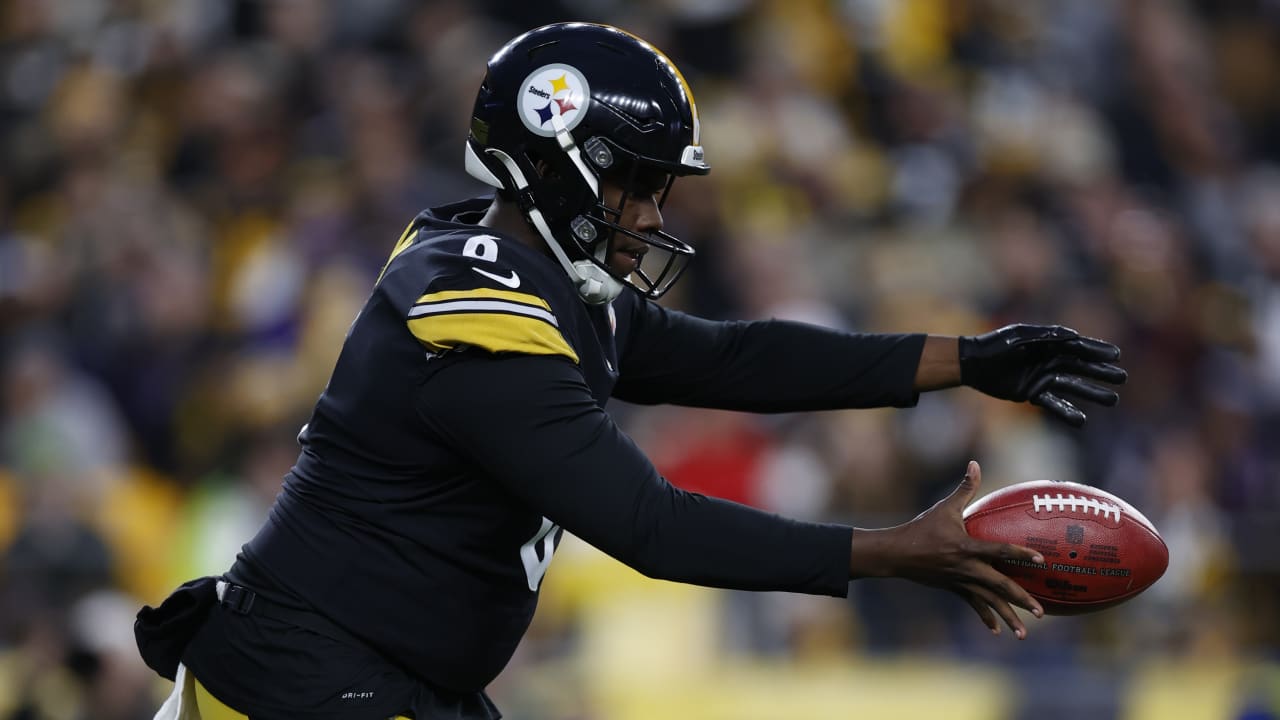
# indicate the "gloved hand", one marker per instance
pixel 1043 365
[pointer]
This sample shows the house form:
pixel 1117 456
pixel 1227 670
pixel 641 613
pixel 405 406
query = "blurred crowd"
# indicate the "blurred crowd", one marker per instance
pixel 196 196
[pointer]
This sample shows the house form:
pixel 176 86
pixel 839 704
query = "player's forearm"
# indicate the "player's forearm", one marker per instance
pixel 766 366
pixel 716 543
pixel 939 364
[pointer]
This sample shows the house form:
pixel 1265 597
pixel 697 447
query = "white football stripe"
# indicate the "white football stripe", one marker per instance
pixel 482 306
pixel 1076 504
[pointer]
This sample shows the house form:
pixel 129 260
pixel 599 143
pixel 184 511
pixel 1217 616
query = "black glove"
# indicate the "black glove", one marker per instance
pixel 1041 364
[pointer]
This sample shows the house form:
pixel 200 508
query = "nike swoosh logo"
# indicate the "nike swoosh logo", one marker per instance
pixel 513 281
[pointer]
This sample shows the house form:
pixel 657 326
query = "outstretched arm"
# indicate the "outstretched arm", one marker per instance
pixel 539 433
pixel 780 366
pixel 763 366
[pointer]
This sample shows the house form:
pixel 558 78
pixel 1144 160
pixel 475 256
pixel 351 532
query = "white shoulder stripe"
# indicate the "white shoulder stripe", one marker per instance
pixel 482 306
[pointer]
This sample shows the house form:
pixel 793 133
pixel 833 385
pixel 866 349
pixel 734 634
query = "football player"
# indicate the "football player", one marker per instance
pixel 465 427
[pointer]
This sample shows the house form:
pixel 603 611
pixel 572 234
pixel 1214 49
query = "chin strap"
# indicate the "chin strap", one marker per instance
pixel 594 284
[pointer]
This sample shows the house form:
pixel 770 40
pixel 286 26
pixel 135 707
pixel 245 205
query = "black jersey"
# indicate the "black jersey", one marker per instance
pixel 463 430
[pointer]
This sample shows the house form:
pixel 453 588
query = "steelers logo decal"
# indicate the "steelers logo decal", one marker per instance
pixel 552 91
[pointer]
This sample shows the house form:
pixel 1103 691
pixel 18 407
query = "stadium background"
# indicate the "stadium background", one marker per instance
pixel 195 197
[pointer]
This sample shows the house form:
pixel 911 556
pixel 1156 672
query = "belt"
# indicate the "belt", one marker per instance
pixel 242 600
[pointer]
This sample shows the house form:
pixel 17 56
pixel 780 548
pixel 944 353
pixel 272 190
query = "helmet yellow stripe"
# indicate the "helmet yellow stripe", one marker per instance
pixel 684 84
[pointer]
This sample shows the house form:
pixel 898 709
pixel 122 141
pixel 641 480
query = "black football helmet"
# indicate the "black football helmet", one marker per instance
pixel 562 107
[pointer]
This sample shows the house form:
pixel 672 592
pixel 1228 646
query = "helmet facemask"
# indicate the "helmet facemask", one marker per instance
pixel 595 233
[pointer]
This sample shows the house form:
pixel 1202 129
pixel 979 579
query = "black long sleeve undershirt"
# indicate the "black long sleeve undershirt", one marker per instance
pixel 534 426
pixel 762 366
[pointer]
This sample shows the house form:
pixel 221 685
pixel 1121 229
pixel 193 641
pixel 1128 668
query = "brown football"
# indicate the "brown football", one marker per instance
pixel 1098 549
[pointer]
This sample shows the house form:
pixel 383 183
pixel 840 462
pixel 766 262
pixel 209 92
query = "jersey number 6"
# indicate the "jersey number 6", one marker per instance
pixel 481 247
pixel 535 567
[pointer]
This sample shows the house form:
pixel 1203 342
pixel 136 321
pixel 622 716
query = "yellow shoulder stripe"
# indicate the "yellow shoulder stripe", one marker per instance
pixel 684 84
pixel 490 319
pixel 406 239
pixel 492 331
pixel 484 294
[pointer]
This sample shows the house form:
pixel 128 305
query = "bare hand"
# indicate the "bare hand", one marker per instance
pixel 934 549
